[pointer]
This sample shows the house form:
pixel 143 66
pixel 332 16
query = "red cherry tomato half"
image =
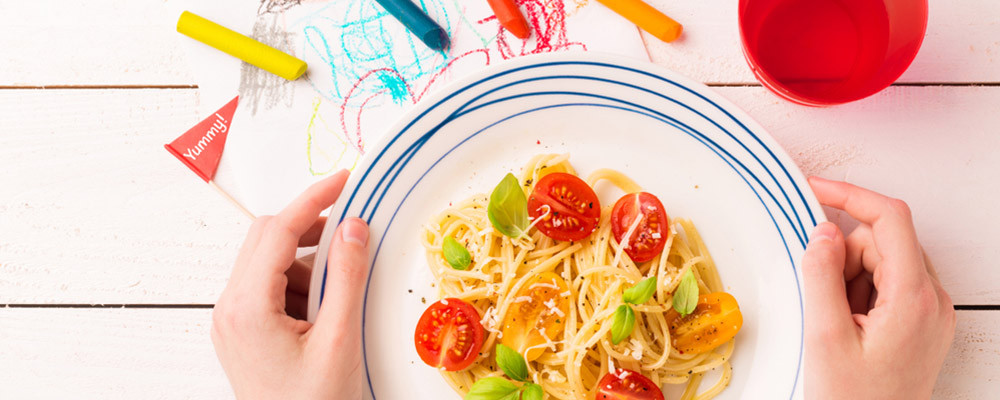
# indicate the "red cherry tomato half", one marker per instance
pixel 651 235
pixel 569 208
pixel 449 335
pixel 623 384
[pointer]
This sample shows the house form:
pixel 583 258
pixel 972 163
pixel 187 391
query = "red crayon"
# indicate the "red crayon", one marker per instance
pixel 510 17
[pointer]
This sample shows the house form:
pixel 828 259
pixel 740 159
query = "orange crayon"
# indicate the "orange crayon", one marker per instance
pixel 647 18
pixel 510 17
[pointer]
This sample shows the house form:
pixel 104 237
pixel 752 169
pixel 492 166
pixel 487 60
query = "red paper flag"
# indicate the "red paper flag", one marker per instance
pixel 200 148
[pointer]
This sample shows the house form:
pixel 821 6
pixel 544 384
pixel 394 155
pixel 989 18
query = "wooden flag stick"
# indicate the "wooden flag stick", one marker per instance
pixel 232 200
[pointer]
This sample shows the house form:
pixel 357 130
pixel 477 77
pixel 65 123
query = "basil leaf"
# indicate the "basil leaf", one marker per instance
pixel 508 208
pixel 512 396
pixel 624 322
pixel 455 254
pixel 686 295
pixel 641 292
pixel 512 363
pixel 493 388
pixel 532 391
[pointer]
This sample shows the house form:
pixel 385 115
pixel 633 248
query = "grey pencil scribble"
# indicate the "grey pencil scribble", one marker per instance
pixel 259 88
pixel 276 6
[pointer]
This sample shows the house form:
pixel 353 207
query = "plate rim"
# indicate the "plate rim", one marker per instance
pixel 500 69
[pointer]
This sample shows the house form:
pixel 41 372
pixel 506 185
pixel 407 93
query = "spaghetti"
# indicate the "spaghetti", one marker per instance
pixel 596 271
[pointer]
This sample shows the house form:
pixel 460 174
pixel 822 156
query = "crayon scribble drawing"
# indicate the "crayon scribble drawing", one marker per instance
pixel 350 41
pixel 366 70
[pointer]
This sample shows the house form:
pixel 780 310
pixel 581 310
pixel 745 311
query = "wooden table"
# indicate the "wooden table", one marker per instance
pixel 112 253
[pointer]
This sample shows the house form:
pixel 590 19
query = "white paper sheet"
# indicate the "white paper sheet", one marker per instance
pixel 365 71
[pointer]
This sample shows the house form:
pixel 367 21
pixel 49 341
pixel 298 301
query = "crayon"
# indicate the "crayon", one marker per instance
pixel 419 23
pixel 259 54
pixel 510 17
pixel 647 18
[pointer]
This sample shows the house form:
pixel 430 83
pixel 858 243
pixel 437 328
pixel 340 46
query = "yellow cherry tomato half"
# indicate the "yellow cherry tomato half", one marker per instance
pixel 715 320
pixel 537 315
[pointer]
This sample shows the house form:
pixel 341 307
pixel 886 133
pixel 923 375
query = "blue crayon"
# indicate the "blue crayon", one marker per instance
pixel 418 22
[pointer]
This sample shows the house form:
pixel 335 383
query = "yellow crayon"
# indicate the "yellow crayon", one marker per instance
pixel 259 54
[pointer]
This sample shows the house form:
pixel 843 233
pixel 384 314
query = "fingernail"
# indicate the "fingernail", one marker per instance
pixel 824 231
pixel 354 230
pixel 818 178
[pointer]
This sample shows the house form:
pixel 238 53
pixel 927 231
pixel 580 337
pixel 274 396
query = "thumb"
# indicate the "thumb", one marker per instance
pixel 827 312
pixel 346 278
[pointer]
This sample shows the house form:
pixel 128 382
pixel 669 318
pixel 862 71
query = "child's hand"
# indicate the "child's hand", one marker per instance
pixel 266 353
pixel 878 324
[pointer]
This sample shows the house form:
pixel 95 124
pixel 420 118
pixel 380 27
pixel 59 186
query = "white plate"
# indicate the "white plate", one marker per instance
pixel 705 159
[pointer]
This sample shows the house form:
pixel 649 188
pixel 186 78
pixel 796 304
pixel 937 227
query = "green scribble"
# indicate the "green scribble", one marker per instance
pixel 472 28
pixel 329 155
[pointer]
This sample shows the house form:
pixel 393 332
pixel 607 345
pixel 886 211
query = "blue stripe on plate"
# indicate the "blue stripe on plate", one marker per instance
pixel 784 169
pixel 692 133
pixel 800 234
pixel 674 120
pixel 390 175
pixel 800 230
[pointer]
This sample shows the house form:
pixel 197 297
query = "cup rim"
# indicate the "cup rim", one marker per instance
pixel 781 91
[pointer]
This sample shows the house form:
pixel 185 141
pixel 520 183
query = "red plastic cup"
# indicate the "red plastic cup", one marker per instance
pixel 827 52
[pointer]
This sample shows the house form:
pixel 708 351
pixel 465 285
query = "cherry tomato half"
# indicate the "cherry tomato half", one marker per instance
pixel 570 207
pixel 715 320
pixel 540 308
pixel 651 235
pixel 449 335
pixel 623 384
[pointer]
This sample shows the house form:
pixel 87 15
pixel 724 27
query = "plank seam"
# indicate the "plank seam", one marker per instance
pixel 977 307
pixel 81 305
pixel 900 84
pixel 958 307
pixel 709 84
pixel 98 87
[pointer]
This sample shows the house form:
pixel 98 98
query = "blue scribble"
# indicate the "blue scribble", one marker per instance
pixel 350 42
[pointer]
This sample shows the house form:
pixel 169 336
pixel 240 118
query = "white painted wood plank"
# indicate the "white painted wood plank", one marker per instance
pixel 162 353
pixel 121 42
pixel 972 369
pixel 109 354
pixel 94 210
pixel 76 42
pixel 935 147
pixel 962 42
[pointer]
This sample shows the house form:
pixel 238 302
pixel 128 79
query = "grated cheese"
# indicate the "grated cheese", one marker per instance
pixel 490 320
pixel 558 312
pixel 636 347
pixel 553 375
pixel 544 285
pixel 631 229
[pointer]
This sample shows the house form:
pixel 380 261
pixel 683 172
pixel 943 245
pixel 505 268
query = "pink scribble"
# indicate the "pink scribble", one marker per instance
pixel 355 134
pixel 447 69
pixel 343 106
pixel 548 25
